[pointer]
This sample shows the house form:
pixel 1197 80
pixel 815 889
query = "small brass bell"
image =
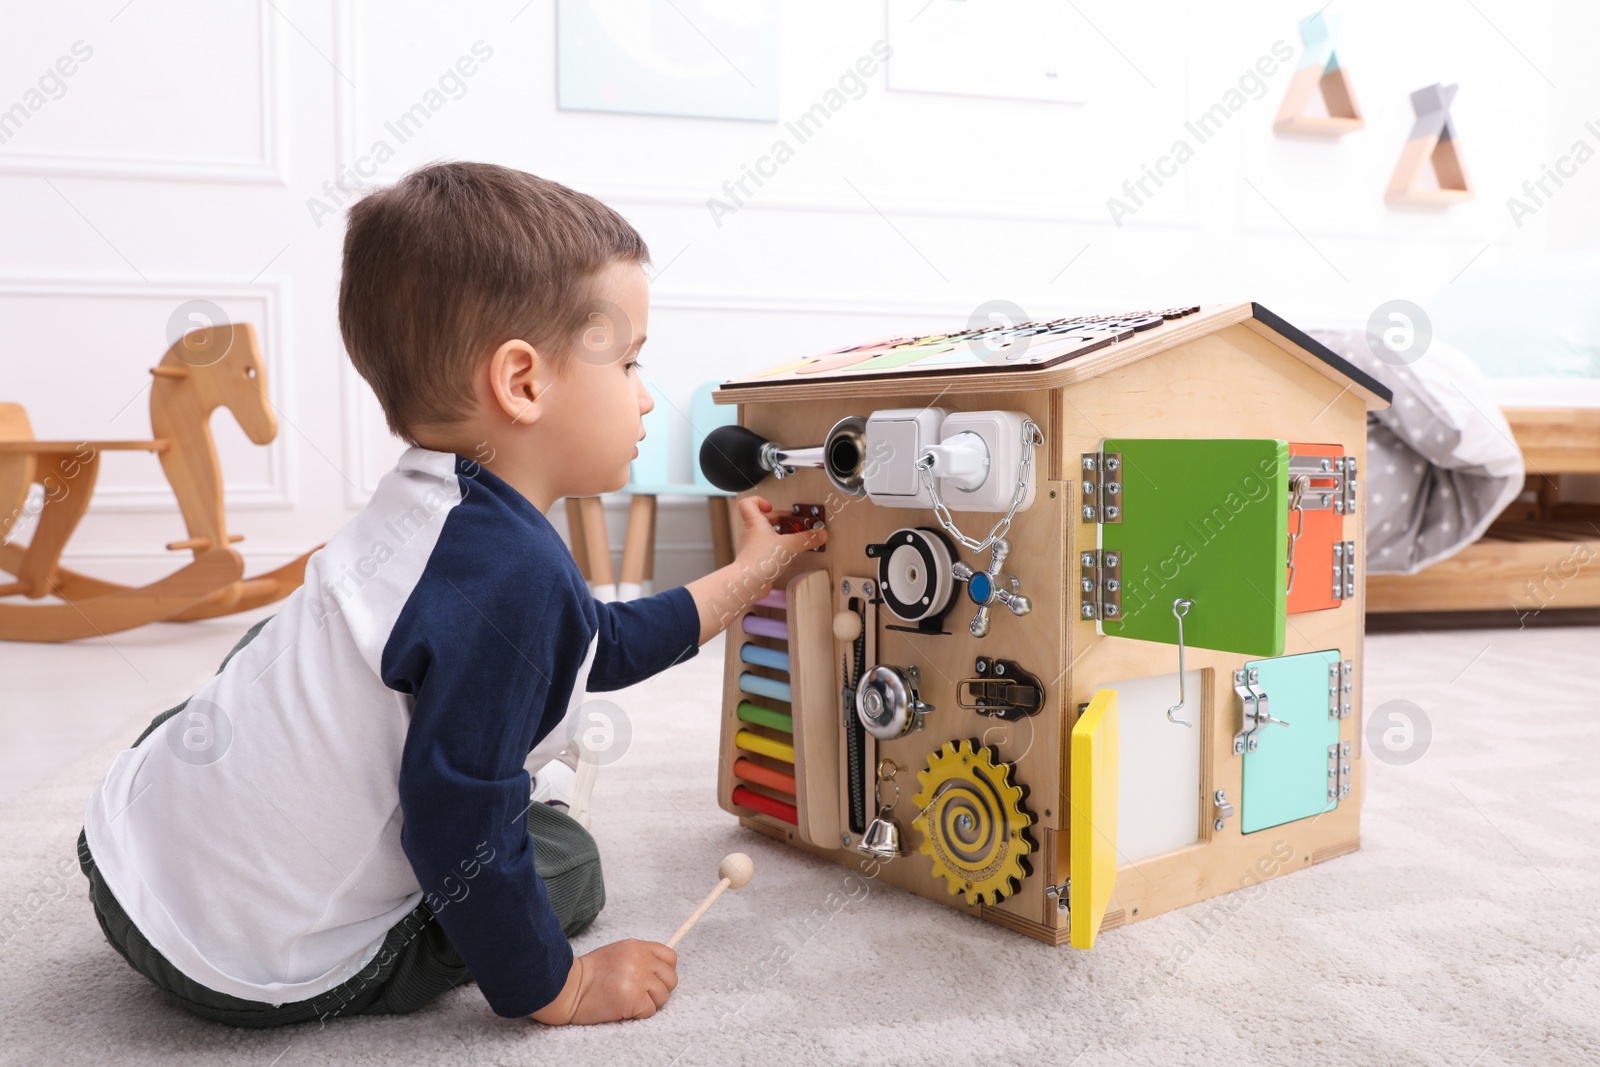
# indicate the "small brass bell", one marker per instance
pixel 882 838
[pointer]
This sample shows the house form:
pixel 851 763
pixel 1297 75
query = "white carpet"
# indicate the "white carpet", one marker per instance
pixel 1464 932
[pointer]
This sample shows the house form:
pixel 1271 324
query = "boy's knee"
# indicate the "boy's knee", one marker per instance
pixel 584 893
pixel 568 861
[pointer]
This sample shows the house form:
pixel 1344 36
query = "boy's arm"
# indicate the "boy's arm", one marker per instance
pixel 640 638
pixel 464 793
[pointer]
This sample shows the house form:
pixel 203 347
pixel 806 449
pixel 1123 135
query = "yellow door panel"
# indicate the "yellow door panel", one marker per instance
pixel 1092 862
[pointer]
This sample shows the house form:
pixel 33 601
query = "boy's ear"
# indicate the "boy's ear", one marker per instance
pixel 515 381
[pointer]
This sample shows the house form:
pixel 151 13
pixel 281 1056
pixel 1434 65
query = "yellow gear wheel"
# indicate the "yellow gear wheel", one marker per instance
pixel 973 823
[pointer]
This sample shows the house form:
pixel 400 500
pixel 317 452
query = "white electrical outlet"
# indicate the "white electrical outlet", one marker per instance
pixel 977 456
pixel 1001 433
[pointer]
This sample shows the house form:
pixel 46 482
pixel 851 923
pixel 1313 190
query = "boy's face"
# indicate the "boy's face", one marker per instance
pixel 601 400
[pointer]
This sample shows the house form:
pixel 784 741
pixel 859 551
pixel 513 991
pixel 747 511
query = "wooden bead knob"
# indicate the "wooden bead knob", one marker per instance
pixel 847 626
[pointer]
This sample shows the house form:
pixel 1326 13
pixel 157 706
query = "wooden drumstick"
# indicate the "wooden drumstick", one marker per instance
pixel 736 870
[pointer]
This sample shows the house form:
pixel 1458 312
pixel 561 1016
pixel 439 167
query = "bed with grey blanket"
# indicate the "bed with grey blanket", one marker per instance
pixel 1441 461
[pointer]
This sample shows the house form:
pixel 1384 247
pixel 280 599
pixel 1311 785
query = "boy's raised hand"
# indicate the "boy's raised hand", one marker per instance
pixel 762 555
pixel 623 980
pixel 763 549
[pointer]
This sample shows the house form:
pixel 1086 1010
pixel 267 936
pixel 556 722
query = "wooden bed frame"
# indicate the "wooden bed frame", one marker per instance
pixel 1540 553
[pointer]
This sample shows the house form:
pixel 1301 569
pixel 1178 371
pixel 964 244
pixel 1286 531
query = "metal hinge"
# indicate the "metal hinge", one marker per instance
pixel 1341 685
pixel 1102 487
pixel 1348 465
pixel 1100 584
pixel 1221 809
pixel 1244 683
pixel 1344 570
pixel 1338 771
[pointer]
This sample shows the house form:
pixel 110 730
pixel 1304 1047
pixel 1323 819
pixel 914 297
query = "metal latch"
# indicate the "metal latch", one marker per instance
pixel 1222 809
pixel 1338 473
pixel 1100 584
pixel 1303 470
pixel 1061 894
pixel 1338 771
pixel 1102 487
pixel 1344 570
pixel 1341 686
pixel 1002 689
pixel 1256 716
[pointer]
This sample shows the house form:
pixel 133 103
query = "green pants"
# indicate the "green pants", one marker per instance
pixel 416 963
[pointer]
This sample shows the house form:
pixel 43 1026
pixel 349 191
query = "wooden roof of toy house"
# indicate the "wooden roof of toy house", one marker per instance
pixel 1033 355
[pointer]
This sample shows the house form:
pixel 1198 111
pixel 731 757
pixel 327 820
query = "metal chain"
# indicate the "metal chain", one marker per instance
pixel 1031 437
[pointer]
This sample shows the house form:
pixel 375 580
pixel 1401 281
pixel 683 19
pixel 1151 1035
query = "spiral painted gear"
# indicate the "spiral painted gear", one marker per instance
pixel 973 823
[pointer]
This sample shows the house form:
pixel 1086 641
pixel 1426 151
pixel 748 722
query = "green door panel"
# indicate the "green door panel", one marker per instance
pixel 1286 777
pixel 1205 520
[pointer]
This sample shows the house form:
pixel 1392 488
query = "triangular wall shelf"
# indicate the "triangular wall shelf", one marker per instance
pixel 1319 69
pixel 1432 140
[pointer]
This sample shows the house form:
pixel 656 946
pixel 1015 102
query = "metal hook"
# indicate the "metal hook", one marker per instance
pixel 1298 487
pixel 1180 608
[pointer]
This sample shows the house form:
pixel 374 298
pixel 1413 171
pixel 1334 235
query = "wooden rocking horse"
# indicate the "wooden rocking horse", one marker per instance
pixel 218 366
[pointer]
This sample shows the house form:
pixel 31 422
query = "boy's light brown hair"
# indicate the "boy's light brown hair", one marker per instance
pixel 454 260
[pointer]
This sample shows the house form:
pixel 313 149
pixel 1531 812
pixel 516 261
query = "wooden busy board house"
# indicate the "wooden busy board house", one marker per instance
pixel 1188 472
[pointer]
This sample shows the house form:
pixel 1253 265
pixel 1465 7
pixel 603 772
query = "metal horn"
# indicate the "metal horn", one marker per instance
pixel 735 458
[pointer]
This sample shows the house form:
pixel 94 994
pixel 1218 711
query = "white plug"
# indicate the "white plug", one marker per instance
pixel 961 461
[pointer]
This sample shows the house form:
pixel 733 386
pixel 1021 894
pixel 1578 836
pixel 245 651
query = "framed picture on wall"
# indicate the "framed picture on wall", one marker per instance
pixel 1013 49
pixel 700 58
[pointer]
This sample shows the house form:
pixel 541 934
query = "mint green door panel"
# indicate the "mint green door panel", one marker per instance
pixel 1286 777
pixel 1205 520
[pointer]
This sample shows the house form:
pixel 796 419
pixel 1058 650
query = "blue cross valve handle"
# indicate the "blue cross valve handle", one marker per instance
pixel 986 587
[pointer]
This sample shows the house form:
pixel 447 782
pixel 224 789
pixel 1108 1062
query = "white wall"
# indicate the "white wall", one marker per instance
pixel 181 160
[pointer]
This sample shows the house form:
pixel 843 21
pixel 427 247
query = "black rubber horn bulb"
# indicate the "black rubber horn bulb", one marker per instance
pixel 730 457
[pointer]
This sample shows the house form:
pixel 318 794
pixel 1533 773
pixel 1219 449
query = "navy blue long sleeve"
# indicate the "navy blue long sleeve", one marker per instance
pixel 490 645
pixel 641 638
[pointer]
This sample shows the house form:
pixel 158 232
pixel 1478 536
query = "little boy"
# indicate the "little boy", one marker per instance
pixel 340 821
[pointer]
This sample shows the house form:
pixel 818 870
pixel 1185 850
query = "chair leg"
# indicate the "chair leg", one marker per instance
pixel 721 529
pixel 580 549
pixel 650 553
pixel 597 546
pixel 636 550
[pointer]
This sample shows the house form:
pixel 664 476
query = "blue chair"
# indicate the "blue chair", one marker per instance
pixel 649 477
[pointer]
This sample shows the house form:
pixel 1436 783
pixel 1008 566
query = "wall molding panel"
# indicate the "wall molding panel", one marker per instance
pixel 277 491
pixel 268 169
